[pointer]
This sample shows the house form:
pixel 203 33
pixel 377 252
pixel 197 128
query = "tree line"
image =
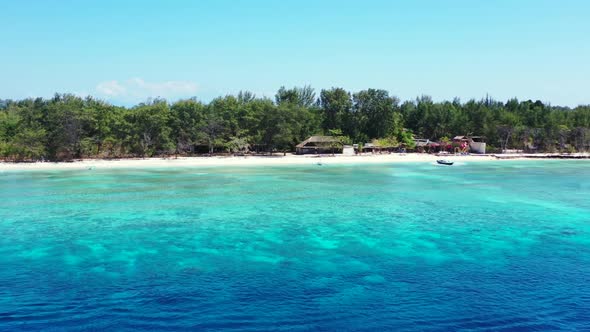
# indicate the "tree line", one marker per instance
pixel 67 127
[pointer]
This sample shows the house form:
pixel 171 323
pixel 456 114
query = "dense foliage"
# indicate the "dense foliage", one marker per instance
pixel 67 127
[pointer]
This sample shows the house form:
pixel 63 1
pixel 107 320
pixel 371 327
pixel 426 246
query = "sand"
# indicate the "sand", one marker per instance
pixel 241 161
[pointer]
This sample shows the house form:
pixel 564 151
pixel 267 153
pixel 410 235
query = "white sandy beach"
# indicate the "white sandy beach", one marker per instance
pixel 241 161
pixel 276 160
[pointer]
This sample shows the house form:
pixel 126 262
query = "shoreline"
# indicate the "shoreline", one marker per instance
pixel 245 161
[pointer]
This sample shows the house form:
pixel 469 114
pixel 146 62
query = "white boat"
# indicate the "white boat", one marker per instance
pixel 445 162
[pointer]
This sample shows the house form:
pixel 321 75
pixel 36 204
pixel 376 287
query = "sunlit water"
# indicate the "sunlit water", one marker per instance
pixel 476 246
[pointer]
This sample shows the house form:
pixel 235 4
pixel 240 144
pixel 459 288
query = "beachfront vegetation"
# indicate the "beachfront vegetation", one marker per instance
pixel 66 127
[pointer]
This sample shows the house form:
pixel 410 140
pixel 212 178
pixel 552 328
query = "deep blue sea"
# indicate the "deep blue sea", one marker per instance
pixel 481 246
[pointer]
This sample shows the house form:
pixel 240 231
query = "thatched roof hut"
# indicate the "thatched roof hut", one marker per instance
pixel 320 144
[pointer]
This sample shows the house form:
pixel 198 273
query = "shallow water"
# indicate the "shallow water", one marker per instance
pixel 477 246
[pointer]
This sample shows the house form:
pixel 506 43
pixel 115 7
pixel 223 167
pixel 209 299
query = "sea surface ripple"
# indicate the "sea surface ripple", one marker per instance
pixel 502 246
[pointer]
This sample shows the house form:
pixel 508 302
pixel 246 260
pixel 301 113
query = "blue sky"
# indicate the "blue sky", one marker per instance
pixel 127 51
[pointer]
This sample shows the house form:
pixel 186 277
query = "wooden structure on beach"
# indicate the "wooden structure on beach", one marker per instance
pixel 421 144
pixel 376 148
pixel 475 144
pixel 320 144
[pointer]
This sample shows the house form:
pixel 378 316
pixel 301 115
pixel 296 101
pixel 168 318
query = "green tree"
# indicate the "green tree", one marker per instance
pixel 335 104
pixel 186 120
pixel 149 133
pixel 303 97
pixel 377 112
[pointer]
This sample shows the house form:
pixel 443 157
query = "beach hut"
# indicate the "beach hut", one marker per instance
pixel 475 144
pixel 433 147
pixel 369 147
pixel 380 146
pixel 421 144
pixel 348 150
pixel 461 144
pixel 320 144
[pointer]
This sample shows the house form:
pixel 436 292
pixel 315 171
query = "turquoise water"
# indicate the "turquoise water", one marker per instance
pixel 475 246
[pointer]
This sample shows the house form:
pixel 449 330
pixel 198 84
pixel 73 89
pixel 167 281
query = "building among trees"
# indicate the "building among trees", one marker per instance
pixel 320 144
pixel 475 144
pixel 68 127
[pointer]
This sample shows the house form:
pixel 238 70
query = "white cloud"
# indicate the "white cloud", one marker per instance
pixel 111 89
pixel 137 89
